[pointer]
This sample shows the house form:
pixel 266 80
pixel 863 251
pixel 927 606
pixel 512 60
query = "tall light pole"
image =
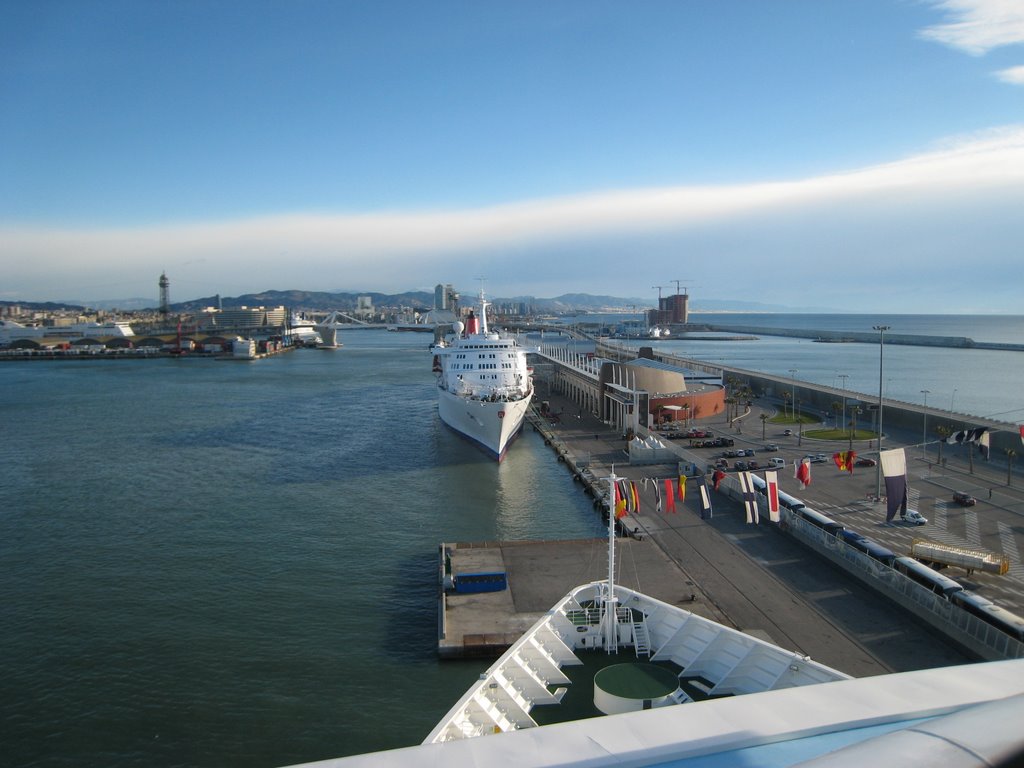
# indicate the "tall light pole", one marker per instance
pixel 844 377
pixel 792 372
pixel 881 348
pixel 924 428
pixel 952 401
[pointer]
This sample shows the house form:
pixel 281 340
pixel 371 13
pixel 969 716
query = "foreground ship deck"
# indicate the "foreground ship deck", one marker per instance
pixel 953 716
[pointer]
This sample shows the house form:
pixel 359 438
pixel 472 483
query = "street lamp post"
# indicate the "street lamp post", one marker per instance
pixel 952 402
pixel 792 372
pixel 881 347
pixel 844 377
pixel 924 427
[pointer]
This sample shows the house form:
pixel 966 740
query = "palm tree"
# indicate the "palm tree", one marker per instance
pixel 854 412
pixel 786 397
pixel 764 421
pixel 943 432
pixel 1011 454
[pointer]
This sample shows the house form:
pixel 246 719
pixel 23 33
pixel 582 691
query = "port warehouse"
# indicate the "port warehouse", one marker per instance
pixel 969 620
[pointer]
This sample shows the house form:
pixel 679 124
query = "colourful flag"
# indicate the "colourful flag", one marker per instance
pixel 636 498
pixel 771 479
pixel 670 502
pixel 682 486
pixel 844 460
pixel 717 478
pixel 894 469
pixel 1022 433
pixel 705 498
pixel 657 494
pixel 802 472
pixel 967 435
pixel 620 503
pixel 749 498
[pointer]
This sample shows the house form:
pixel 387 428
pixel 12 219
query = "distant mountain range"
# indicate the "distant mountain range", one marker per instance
pixel 419 300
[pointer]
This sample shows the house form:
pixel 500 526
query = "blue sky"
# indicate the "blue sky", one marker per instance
pixel 862 155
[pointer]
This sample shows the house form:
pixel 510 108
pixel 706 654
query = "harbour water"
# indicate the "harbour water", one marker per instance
pixel 971 382
pixel 211 563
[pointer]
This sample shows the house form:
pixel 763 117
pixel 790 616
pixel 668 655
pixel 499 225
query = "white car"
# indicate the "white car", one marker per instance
pixel 914 517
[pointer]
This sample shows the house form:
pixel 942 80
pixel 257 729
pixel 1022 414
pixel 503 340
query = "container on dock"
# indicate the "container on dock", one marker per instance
pixel 492 581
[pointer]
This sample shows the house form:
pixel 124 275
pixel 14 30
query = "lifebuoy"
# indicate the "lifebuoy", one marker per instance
pixel 501 414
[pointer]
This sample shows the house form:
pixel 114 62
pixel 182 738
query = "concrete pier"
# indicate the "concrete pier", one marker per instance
pixel 540 573
pixel 751 577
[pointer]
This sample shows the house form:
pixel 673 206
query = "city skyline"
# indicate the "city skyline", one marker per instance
pixel 861 156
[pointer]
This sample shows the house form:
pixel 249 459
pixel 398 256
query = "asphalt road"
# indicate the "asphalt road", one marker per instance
pixel 761 580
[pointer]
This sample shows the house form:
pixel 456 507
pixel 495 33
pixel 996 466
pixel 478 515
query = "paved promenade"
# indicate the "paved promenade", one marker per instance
pixel 753 576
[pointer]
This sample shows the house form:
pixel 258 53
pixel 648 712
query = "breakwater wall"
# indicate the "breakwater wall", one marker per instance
pixel 861 337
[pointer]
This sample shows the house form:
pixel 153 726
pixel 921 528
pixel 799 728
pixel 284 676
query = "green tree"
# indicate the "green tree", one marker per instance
pixel 943 432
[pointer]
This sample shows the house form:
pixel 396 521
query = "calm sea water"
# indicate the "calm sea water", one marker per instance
pixel 972 382
pixel 220 563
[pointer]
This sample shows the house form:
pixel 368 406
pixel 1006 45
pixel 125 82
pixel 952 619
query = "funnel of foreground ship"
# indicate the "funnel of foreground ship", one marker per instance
pixel 615 650
pixel 484 384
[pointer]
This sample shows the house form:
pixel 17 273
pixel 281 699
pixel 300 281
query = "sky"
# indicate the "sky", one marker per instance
pixel 856 155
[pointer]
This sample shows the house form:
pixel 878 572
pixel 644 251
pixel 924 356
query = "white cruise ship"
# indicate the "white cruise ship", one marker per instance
pixel 12 331
pixel 484 383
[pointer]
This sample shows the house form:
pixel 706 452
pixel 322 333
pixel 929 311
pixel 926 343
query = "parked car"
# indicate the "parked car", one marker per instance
pixel 964 499
pixel 741 466
pixel 771 447
pixel 777 462
pixel 864 461
pixel 753 465
pixel 721 464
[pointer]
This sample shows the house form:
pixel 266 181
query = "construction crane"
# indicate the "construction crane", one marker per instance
pixel 678 282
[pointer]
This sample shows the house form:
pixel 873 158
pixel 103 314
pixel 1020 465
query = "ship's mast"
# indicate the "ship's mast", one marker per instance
pixel 611 642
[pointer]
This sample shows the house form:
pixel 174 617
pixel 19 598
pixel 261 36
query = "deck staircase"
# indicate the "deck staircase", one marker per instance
pixel 641 639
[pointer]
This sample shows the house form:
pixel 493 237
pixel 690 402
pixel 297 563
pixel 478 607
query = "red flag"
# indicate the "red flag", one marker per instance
pixel 772 481
pixel 636 497
pixel 670 502
pixel 803 473
pixel 718 477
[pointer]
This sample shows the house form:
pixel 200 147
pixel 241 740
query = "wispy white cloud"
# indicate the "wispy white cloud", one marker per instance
pixel 978 26
pixel 1013 75
pixel 599 232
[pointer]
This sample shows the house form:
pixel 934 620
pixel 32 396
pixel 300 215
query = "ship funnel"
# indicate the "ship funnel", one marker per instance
pixel 472 324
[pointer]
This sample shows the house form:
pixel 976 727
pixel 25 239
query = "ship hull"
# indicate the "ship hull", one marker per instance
pixel 491 425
